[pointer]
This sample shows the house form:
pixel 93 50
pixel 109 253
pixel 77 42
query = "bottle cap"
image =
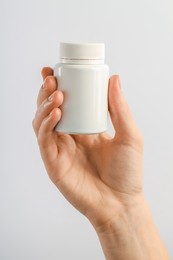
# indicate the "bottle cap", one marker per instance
pixel 82 51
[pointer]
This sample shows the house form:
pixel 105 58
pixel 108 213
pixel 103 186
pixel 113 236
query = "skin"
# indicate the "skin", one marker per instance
pixel 100 175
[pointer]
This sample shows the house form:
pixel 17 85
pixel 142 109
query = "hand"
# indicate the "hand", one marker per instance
pixel 97 174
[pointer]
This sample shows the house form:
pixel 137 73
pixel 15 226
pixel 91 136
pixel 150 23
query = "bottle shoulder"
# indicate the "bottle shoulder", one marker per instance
pixel 81 66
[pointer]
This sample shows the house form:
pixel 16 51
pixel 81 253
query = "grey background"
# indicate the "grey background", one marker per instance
pixel 36 222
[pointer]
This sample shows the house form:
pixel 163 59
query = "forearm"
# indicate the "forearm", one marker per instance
pixel 132 235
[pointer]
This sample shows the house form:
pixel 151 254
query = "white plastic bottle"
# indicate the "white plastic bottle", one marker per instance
pixel 83 78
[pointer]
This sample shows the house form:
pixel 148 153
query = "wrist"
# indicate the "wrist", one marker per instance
pixel 131 216
pixel 131 234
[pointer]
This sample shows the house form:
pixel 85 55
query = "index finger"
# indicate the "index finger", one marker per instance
pixel 49 85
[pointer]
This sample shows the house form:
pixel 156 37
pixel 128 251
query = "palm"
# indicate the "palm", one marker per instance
pixel 92 171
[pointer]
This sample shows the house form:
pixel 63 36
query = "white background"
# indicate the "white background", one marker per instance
pixel 36 222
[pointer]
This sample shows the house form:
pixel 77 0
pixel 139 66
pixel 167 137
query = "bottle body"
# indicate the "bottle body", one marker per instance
pixel 85 89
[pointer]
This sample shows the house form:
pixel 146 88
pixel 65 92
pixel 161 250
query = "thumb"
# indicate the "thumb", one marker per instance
pixel 120 113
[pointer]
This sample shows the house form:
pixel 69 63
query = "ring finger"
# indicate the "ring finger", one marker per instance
pixel 53 101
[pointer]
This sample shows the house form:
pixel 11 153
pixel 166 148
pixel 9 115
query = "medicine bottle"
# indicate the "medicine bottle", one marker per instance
pixel 83 78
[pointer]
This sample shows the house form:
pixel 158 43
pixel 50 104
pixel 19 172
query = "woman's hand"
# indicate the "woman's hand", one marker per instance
pixel 97 174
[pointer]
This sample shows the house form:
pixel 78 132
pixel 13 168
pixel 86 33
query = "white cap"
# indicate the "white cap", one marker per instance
pixel 82 51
